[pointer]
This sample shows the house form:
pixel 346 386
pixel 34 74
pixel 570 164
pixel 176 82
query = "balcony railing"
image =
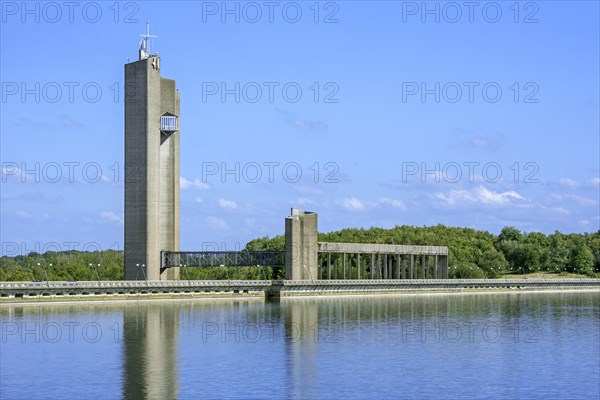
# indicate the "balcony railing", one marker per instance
pixel 168 123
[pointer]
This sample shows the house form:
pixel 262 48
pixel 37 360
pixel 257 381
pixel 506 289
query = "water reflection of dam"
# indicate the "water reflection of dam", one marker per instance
pixel 307 328
pixel 292 348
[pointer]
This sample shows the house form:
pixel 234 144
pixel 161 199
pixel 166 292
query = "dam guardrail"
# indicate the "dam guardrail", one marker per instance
pixel 116 290
pixel 391 286
pixel 106 290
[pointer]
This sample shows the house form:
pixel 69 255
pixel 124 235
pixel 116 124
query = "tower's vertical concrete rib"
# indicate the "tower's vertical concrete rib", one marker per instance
pixel 151 168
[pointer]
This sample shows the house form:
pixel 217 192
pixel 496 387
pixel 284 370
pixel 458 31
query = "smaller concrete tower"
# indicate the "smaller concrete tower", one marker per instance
pixel 301 246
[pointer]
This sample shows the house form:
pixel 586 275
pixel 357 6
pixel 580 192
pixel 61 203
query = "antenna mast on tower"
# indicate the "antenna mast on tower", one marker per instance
pixel 144 45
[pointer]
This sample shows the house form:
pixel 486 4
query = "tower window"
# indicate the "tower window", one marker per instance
pixel 168 123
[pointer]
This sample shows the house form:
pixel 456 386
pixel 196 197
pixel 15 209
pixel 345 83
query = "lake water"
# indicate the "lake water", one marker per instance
pixel 492 346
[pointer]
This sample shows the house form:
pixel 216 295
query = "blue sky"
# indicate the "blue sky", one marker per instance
pixel 369 113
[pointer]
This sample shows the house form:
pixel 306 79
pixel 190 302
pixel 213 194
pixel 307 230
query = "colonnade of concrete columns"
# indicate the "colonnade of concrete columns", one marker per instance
pixel 334 265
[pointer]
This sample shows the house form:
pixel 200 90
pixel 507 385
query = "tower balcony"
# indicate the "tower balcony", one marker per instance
pixel 168 124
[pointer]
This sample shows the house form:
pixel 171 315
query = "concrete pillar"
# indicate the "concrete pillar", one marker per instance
pixel 402 267
pixel 319 265
pixel 301 245
pixel 385 267
pixel 445 267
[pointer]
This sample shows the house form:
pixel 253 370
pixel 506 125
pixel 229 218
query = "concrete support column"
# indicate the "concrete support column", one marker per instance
pixel 445 267
pixel 385 265
pixel 402 266
pixel 301 245
pixel 319 265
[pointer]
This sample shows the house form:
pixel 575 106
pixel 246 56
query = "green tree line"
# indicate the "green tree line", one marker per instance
pixel 479 254
pixel 472 254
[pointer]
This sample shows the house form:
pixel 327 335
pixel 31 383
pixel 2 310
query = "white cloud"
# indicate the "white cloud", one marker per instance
pixel 393 203
pixel 559 210
pixel 199 200
pixel 111 216
pixel 308 125
pixel 484 142
pixel 594 182
pixel 491 197
pixel 568 182
pixel 582 201
pixel 573 184
pixel 478 195
pixel 12 170
pixel 227 204
pixel 353 204
pixel 303 201
pixel 307 189
pixel 70 122
pixel 195 184
pixel 217 223
pixel 479 140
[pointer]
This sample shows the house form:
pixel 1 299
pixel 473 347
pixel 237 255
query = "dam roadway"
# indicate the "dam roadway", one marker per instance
pixel 25 292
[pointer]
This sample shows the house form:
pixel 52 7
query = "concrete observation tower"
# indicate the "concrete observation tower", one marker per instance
pixel 151 166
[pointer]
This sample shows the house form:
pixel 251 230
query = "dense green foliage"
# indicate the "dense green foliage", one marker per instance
pixel 479 254
pixel 63 266
pixel 472 254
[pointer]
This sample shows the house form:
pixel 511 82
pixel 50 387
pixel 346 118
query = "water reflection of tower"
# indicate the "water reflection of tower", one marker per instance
pixel 301 340
pixel 150 335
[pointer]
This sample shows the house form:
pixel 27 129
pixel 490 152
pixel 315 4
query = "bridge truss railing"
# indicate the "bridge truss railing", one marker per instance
pixel 223 259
